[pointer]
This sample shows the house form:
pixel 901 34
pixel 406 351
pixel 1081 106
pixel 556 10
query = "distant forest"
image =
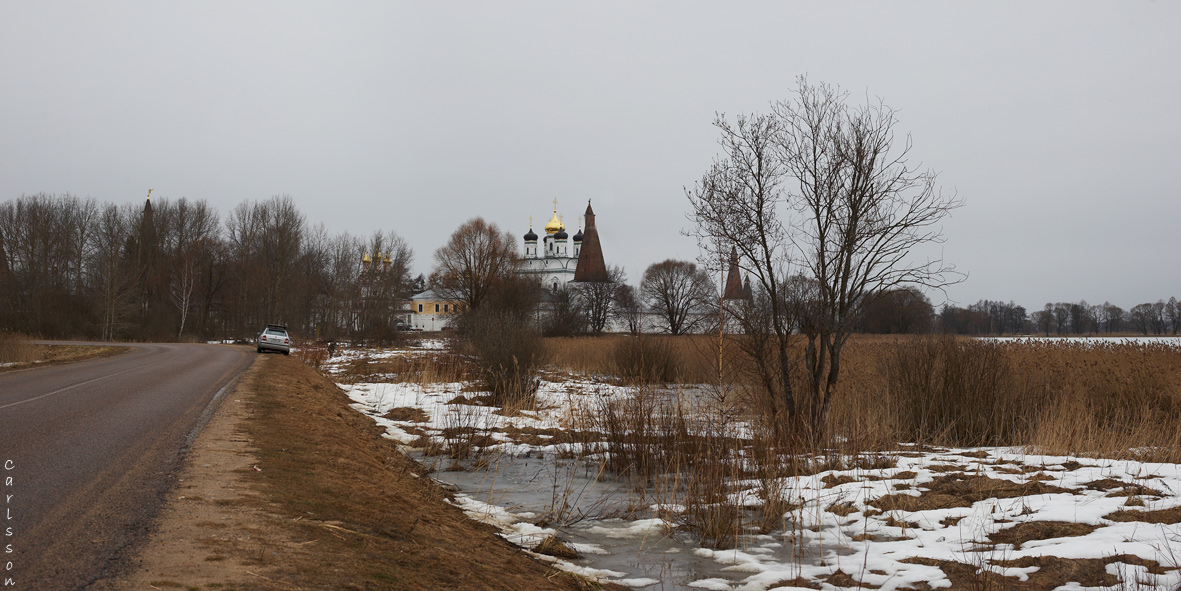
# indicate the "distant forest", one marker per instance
pixel 909 311
pixel 167 270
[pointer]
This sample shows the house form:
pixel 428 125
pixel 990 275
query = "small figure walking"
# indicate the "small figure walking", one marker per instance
pixel 332 348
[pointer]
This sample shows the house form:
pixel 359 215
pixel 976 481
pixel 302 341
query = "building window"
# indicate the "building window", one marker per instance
pixel 420 308
pixel 445 308
pixel 436 308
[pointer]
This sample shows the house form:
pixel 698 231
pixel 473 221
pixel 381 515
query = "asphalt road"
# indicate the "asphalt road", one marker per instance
pixel 91 448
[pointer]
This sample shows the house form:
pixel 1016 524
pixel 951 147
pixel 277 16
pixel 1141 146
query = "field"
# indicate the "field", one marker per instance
pixel 952 462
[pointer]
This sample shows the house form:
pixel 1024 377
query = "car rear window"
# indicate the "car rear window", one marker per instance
pixel 275 332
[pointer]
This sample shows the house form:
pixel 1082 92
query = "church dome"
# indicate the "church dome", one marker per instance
pixel 561 235
pixel 530 237
pixel 555 225
pixel 578 236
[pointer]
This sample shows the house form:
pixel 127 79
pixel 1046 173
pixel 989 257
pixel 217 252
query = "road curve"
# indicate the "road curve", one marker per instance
pixel 91 448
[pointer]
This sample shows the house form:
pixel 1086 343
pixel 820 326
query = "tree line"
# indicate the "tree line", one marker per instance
pixel 909 311
pixel 988 317
pixel 176 270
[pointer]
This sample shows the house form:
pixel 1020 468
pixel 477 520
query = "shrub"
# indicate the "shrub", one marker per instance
pixel 645 360
pixel 956 392
pixel 507 353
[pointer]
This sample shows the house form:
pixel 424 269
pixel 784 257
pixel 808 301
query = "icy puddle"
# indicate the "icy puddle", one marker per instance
pixel 929 518
pixel 611 527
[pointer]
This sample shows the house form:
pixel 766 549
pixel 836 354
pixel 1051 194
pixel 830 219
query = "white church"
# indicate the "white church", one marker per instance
pixel 556 261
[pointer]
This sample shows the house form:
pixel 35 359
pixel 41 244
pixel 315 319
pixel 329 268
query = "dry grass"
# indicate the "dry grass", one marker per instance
pixel 962 490
pixel 373 521
pixel 425 368
pixel 1116 400
pixel 17 348
pixel 1052 572
pixel 688 359
pixel 19 352
pixel 555 547
pixel 1039 530
pixel 1164 516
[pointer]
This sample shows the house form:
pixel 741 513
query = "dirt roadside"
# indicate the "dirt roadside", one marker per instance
pixel 288 488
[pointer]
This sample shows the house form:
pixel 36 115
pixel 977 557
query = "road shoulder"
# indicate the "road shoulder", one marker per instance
pixel 210 524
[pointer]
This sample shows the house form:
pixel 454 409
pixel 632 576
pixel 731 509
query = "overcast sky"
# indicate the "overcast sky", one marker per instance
pixel 1059 124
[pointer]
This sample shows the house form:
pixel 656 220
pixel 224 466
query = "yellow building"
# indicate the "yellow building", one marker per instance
pixel 430 312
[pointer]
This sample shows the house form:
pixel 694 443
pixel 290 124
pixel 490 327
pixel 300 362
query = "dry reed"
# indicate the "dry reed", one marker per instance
pixel 17 348
pixel 416 368
pixel 1098 399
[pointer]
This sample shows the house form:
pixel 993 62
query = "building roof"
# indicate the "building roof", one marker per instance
pixel 591 265
pixel 425 295
pixel 734 289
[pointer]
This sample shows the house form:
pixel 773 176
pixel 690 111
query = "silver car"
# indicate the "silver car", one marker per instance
pixel 274 338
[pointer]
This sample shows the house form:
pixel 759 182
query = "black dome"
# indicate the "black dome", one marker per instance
pixel 578 236
pixel 531 235
pixel 561 235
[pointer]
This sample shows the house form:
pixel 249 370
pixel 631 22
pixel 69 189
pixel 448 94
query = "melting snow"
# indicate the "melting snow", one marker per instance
pixel 885 540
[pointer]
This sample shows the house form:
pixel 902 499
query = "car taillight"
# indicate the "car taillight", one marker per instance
pixel 286 341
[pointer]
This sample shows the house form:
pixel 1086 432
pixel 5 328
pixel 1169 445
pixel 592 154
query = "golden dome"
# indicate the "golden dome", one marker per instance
pixel 555 224
pixel 366 259
pixel 386 259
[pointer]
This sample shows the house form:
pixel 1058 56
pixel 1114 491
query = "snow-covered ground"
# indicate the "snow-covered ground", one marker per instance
pixel 1168 341
pixel 886 528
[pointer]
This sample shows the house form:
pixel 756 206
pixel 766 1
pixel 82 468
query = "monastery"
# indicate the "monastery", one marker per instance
pixel 556 261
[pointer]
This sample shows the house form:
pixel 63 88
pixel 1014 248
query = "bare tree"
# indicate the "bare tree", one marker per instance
pixel 1141 317
pixel 597 299
pixel 383 283
pixel 679 294
pixel 628 309
pixel 1173 315
pixel 1061 312
pixel 1159 323
pixel 1113 317
pixel 1078 317
pixel 1095 318
pixel 825 188
pixel 111 276
pixel 180 291
pixel 42 237
pixel 565 315
pixel 1045 319
pixel 190 229
pixel 475 258
pixel 903 310
pixel 265 240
